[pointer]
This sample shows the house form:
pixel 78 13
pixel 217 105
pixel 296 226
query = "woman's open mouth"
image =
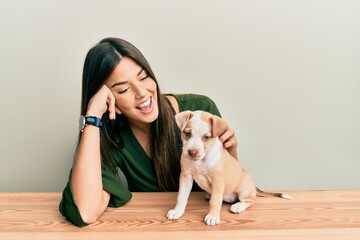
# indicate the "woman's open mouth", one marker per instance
pixel 146 107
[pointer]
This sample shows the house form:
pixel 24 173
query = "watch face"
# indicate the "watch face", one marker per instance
pixel 82 123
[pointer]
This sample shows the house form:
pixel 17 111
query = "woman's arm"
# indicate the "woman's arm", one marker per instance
pixel 86 179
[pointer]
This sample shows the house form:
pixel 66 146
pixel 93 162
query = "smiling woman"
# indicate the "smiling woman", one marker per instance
pixel 139 134
pixel 134 91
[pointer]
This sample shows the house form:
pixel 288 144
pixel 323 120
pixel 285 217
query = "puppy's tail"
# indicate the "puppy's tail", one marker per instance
pixel 261 193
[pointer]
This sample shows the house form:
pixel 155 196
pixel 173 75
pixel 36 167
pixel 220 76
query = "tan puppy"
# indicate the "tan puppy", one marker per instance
pixel 212 167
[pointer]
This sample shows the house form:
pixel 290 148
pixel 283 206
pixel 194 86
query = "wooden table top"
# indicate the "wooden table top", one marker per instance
pixel 331 214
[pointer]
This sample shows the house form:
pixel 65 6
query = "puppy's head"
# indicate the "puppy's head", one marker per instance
pixel 199 130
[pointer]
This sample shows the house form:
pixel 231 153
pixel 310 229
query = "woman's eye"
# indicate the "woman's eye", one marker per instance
pixel 143 78
pixel 123 91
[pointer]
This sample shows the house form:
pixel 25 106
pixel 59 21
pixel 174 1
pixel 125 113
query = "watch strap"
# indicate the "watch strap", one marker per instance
pixel 92 120
pixel 89 120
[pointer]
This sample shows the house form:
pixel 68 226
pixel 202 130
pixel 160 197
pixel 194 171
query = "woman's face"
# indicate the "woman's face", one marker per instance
pixel 135 92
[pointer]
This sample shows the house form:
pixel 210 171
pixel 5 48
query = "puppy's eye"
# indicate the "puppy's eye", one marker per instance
pixel 206 137
pixel 187 134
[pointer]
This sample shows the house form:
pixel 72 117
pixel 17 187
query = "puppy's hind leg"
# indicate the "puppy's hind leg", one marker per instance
pixel 246 200
pixel 239 207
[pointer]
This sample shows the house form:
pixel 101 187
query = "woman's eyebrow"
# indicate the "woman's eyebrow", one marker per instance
pixel 141 70
pixel 122 83
pixel 118 83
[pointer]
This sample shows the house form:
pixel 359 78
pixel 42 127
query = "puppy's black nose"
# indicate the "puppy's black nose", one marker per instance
pixel 192 153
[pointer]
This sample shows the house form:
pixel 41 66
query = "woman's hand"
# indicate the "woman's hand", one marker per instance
pixel 229 141
pixel 101 102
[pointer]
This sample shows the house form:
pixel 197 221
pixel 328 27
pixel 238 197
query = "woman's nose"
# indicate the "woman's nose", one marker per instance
pixel 140 90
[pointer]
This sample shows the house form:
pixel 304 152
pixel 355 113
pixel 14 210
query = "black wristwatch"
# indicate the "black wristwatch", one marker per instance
pixel 89 120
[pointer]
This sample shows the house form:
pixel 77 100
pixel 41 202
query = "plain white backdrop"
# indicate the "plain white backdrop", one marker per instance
pixel 284 74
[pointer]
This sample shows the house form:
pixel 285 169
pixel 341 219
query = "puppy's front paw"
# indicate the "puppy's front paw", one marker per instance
pixel 211 220
pixel 174 214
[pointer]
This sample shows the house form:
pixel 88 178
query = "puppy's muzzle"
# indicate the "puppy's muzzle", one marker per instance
pixel 193 153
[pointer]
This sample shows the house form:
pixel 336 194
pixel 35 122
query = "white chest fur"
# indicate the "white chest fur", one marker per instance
pixel 200 169
pixel 211 158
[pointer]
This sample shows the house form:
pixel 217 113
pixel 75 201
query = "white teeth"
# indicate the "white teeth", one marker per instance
pixel 145 104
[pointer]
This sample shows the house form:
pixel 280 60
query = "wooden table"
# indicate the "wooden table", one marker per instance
pixel 310 215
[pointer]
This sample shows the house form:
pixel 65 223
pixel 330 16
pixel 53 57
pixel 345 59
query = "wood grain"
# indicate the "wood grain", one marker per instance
pixel 328 214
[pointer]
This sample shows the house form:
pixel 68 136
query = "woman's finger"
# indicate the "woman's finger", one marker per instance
pixel 226 135
pixel 111 106
pixel 229 143
pixel 117 110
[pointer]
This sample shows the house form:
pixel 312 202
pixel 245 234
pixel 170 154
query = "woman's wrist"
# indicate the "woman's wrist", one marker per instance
pixel 89 121
pixel 93 113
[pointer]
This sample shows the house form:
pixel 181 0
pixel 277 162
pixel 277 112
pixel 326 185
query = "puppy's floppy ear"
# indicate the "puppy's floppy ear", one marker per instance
pixel 218 125
pixel 183 118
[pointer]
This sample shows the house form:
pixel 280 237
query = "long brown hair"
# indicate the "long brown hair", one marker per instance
pixel 100 62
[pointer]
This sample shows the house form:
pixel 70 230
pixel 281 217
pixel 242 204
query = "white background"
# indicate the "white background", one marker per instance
pixel 285 74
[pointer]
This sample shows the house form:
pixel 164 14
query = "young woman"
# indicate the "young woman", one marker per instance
pixel 129 124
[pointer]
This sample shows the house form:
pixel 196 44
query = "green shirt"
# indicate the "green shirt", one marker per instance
pixel 137 167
